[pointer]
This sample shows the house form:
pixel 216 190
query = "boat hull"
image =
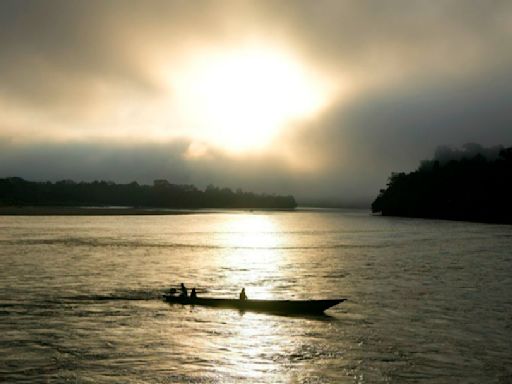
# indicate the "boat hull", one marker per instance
pixel 275 306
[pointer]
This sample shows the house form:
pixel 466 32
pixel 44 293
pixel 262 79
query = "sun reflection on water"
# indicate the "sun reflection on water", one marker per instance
pixel 255 347
pixel 251 231
pixel 253 256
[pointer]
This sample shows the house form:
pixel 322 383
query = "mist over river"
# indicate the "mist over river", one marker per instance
pixel 429 301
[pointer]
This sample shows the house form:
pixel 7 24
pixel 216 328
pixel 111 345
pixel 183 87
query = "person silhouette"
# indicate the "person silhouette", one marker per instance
pixel 184 292
pixel 243 296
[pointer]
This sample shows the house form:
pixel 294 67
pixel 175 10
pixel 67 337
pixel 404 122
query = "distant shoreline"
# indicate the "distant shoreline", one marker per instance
pixel 113 211
pixel 86 211
pixel 162 195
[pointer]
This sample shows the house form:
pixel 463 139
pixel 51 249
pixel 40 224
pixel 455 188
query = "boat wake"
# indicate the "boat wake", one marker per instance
pixel 125 295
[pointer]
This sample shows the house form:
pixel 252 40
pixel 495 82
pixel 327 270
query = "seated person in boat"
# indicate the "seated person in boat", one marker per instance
pixel 172 291
pixel 243 296
pixel 193 294
pixel 184 292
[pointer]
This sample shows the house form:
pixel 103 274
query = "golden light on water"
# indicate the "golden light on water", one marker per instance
pixel 254 243
pixel 252 231
pixel 270 342
pixel 240 98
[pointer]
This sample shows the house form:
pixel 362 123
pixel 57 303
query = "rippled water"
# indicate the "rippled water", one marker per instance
pixel 429 301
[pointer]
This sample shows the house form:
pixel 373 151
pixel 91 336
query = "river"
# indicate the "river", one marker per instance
pixel 429 301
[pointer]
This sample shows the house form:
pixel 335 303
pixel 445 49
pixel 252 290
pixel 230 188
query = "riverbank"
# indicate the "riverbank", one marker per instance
pixel 88 211
pixel 120 211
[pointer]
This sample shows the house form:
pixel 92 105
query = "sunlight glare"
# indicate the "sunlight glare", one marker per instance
pixel 255 253
pixel 240 99
pixel 250 231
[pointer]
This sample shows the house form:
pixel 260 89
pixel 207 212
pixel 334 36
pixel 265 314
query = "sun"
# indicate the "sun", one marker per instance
pixel 239 99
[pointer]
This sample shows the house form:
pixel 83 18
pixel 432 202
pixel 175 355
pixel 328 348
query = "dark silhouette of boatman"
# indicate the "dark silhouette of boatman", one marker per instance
pixel 184 292
pixel 193 294
pixel 243 296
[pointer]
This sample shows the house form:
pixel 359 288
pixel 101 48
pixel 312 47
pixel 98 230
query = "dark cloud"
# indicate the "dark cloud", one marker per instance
pixel 360 143
pixel 141 162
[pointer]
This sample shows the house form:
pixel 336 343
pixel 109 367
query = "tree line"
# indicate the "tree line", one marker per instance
pixel 471 188
pixel 15 191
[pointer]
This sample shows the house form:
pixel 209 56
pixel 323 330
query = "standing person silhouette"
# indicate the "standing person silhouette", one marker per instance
pixel 184 292
pixel 243 296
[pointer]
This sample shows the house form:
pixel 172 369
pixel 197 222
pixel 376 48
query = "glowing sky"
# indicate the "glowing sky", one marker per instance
pixel 314 98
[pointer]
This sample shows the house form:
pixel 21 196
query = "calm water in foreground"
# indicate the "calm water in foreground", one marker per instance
pixel 429 301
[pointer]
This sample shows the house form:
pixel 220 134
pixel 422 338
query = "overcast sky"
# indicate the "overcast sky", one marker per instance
pixel 320 99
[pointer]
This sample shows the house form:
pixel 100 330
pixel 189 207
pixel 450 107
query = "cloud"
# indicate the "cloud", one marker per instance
pixel 82 96
pixel 445 154
pixel 359 143
pixel 390 41
pixel 142 162
pixel 59 51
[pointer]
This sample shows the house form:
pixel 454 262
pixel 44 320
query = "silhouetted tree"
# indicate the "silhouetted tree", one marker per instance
pixel 474 188
pixel 16 191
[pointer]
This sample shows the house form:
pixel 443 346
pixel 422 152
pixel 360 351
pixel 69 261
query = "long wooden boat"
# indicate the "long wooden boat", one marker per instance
pixel 274 306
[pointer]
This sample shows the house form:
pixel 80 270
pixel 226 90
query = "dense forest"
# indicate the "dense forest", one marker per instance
pixel 475 188
pixel 15 191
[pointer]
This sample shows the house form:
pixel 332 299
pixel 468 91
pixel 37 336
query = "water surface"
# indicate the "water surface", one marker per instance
pixel 429 301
